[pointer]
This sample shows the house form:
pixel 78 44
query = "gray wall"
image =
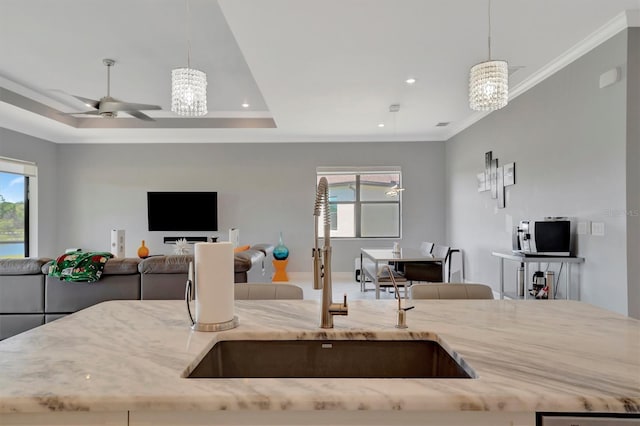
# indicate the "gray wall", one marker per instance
pixel 568 139
pixel 262 189
pixel 633 173
pixel 43 153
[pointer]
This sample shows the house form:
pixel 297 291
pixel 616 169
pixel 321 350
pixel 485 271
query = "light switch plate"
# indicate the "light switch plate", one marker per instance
pixel 584 227
pixel 597 229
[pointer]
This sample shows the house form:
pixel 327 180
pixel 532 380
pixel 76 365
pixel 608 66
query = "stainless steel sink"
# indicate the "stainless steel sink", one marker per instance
pixel 330 359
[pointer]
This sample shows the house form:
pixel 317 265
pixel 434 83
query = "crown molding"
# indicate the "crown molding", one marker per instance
pixel 629 18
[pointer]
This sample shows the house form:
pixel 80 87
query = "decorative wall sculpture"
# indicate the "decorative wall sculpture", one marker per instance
pixel 495 178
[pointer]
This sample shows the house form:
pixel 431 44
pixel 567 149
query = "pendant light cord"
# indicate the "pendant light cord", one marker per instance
pixel 188 31
pixel 108 80
pixel 489 37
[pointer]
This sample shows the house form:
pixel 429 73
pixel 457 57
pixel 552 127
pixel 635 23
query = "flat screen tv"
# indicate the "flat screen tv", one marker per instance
pixel 182 211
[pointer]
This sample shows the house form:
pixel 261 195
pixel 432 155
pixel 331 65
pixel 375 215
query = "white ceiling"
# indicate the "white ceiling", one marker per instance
pixel 324 70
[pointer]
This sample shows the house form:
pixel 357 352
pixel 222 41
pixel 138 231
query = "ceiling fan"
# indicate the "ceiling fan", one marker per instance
pixel 109 107
pixel 394 191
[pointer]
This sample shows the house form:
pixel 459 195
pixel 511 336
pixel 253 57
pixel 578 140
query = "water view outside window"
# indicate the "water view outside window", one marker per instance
pixel 360 205
pixel 12 215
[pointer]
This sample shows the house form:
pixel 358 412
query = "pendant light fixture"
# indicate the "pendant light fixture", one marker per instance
pixel 489 82
pixel 188 85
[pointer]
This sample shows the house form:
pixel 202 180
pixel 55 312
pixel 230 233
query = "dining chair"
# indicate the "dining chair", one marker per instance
pixel 451 291
pixel 426 247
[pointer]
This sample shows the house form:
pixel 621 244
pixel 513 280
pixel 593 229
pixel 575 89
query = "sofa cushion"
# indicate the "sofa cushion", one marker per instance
pixel 66 297
pixel 121 266
pixel 26 266
pixel 243 261
pixel 172 264
pixel 266 291
pixel 10 325
pixel 22 294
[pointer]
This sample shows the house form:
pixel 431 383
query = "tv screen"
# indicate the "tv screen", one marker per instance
pixel 182 211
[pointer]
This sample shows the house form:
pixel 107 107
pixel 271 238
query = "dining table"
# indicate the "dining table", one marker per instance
pixel 373 259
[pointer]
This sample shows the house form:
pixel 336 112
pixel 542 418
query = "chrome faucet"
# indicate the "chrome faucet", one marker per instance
pixel 322 260
pixel 401 321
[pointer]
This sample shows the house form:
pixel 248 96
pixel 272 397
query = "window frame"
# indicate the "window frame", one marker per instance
pixel 29 171
pixel 358 203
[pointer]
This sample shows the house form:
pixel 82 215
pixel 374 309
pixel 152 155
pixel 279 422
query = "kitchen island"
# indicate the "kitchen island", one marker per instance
pixel 126 362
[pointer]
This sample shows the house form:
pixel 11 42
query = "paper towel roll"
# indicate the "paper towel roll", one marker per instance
pixel 214 282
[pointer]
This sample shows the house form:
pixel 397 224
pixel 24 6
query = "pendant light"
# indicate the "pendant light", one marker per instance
pixel 489 82
pixel 188 85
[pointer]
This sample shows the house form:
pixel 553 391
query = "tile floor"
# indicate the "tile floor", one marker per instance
pixel 342 283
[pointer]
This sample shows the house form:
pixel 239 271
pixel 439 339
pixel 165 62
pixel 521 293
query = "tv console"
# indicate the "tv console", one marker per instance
pixel 191 240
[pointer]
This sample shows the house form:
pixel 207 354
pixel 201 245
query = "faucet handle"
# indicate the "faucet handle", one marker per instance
pixel 401 321
pixel 344 303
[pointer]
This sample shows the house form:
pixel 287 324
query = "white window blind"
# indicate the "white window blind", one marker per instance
pixel 10 165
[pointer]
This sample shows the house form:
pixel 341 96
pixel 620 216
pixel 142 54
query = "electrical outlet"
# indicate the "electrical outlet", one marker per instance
pixel 584 227
pixel 597 229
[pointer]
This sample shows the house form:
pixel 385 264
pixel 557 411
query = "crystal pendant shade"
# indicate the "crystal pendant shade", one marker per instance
pixel 489 86
pixel 188 92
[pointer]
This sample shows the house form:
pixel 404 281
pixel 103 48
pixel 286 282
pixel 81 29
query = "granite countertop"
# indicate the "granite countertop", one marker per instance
pixel 133 355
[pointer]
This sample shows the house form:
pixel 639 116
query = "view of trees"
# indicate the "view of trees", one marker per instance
pixel 11 220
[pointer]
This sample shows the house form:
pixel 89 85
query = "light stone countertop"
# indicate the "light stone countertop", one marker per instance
pixel 132 355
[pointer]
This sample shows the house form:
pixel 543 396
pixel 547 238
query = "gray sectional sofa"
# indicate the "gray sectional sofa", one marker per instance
pixel 21 295
pixel 29 297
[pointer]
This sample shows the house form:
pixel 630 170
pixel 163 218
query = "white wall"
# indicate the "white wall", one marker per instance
pixel 568 140
pixel 43 153
pixel 633 174
pixel 262 189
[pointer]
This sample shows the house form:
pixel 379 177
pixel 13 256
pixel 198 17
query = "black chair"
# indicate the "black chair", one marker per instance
pixel 428 271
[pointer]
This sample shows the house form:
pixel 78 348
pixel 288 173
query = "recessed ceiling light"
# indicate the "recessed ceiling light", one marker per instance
pixel 410 81
pixel 245 105
pixel 381 125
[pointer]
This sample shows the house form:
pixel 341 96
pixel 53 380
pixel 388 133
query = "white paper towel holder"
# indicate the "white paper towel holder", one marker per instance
pixel 203 326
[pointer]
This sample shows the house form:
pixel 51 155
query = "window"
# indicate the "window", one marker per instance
pixel 363 202
pixel 14 207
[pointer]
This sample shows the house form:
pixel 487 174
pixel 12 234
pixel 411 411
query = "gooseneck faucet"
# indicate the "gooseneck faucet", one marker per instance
pixel 401 321
pixel 322 259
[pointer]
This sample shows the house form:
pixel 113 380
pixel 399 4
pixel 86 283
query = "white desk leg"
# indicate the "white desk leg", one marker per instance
pixel 501 278
pixel 568 280
pixel 375 279
pixel 526 277
pixel 363 279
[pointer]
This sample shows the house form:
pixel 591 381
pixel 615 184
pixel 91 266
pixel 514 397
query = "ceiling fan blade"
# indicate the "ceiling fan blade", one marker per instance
pixel 110 106
pixel 88 102
pixel 96 112
pixel 140 115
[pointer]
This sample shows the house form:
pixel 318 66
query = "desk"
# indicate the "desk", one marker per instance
pixel 562 260
pixel 387 255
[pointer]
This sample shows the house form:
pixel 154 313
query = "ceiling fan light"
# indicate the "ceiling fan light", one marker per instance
pixel 489 86
pixel 188 92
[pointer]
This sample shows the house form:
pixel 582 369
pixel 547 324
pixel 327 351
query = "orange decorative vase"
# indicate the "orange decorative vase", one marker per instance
pixel 143 251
